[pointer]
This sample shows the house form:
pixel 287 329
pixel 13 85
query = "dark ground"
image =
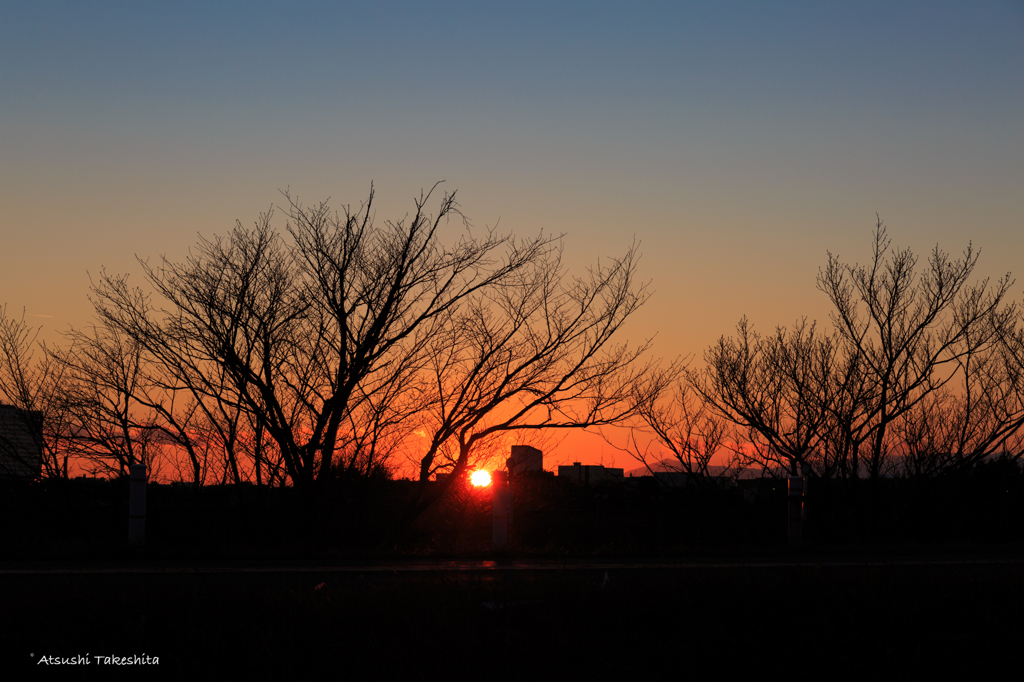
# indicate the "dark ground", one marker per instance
pixel 932 579
pixel 822 621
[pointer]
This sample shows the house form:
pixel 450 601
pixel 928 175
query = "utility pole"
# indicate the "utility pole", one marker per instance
pixel 137 506
pixel 501 505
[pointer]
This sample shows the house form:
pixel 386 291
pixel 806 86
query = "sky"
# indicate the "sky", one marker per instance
pixel 737 142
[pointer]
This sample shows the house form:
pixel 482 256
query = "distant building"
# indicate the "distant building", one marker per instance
pixel 527 458
pixel 21 443
pixel 587 474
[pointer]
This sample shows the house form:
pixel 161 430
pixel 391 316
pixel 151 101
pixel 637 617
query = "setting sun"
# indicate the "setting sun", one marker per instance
pixel 480 478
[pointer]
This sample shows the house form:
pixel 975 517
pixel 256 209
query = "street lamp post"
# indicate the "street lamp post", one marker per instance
pixel 137 505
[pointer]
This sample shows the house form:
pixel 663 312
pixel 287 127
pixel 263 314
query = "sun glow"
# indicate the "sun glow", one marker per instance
pixel 480 478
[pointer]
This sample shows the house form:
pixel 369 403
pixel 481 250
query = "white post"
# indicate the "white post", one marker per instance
pixel 796 491
pixel 137 505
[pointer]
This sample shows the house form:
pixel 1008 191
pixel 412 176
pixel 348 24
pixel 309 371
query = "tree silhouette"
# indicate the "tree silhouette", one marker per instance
pixel 37 386
pixel 776 389
pixel 910 331
pixel 845 402
pixel 110 428
pixel 338 339
pixel 535 351
pixel 682 423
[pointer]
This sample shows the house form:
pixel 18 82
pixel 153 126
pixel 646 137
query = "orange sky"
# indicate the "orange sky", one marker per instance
pixel 737 142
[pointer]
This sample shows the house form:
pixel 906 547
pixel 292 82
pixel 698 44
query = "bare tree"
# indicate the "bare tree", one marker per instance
pixel 36 385
pixel 194 397
pixel 109 428
pixel 678 431
pixel 979 414
pixel 776 389
pixel 311 333
pixel 536 351
pixel 908 330
pixel 833 400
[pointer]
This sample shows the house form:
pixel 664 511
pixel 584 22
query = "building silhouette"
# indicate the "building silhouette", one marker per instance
pixel 586 474
pixel 21 443
pixel 526 458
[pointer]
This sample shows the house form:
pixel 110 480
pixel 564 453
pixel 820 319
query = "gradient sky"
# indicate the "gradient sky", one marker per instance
pixel 738 142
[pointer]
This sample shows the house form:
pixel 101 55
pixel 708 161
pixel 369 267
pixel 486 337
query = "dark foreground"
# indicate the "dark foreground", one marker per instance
pixel 271 600
pixel 837 619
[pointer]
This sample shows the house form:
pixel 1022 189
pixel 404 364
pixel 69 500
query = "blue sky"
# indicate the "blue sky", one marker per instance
pixel 736 141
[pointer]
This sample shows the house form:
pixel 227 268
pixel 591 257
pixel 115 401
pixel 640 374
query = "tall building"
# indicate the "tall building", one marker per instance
pixel 527 458
pixel 21 442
